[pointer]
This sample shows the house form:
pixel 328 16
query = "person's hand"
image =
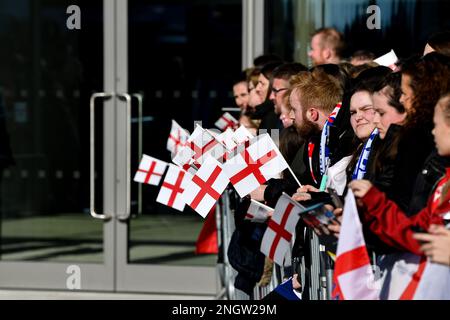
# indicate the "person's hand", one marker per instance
pixel 360 187
pixel 335 226
pixel 301 196
pixel 436 244
pixel 307 188
pixel 258 194
pixel 295 284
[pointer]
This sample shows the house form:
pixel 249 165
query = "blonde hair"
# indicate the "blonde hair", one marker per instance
pixel 317 90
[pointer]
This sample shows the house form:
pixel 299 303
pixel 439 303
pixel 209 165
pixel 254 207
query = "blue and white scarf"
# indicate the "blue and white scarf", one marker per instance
pixel 360 169
pixel 324 150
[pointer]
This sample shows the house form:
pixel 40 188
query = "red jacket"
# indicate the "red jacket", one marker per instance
pixel 392 226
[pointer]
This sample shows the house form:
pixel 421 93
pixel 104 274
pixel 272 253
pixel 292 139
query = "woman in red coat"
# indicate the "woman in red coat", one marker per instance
pixel 385 218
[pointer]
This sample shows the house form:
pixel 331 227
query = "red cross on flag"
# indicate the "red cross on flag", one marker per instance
pixel 280 228
pixel 226 121
pixel 173 186
pixel 241 135
pixel 258 212
pixel 150 170
pixel 256 164
pixel 177 138
pixel 205 188
pixel 200 145
pixel 353 277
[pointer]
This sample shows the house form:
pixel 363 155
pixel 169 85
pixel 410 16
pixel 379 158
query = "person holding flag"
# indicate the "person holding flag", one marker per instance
pixel 388 221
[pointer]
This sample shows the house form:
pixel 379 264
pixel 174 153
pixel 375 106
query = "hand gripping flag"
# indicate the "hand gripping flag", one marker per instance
pixel 200 145
pixel 258 212
pixel 353 276
pixel 177 138
pixel 226 121
pixel 205 188
pixel 256 164
pixel 150 170
pixel 242 135
pixel 173 186
pixel 280 228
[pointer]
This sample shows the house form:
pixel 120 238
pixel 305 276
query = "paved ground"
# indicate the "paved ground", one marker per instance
pixel 54 295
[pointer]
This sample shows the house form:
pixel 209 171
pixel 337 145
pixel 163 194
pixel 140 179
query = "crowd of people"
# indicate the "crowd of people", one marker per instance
pixel 382 132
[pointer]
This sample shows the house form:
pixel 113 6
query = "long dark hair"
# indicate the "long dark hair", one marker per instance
pixel 430 79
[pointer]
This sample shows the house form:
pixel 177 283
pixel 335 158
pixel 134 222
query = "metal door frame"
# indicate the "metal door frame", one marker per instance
pixel 138 277
pixel 94 277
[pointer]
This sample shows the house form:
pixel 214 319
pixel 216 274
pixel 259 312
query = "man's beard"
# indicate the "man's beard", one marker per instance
pixel 308 129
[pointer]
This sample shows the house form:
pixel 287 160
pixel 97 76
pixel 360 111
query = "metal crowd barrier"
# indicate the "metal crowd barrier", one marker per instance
pixel 320 269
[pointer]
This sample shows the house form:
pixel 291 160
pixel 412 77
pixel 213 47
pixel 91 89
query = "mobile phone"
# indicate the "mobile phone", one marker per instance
pixel 335 198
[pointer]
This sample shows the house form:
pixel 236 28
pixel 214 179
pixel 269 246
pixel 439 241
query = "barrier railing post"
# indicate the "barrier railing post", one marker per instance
pixel 315 267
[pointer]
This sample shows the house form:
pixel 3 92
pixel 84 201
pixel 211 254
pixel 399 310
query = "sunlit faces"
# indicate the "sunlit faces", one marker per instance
pixel 441 132
pixel 407 93
pixel 285 115
pixel 296 113
pixel 279 89
pixel 362 114
pixel 240 93
pixel 254 99
pixel 385 114
pixel 317 52
pixel 262 88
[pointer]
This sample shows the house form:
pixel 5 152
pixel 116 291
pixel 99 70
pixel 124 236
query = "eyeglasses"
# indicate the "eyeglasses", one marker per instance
pixel 276 91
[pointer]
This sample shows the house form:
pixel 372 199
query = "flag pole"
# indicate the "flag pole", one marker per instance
pixel 295 178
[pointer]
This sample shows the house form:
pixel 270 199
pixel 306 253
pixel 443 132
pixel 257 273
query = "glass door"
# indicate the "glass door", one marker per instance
pixel 179 58
pixel 56 195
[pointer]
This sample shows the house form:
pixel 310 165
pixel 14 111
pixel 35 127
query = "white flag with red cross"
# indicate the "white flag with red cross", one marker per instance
pixel 150 170
pixel 226 138
pixel 258 212
pixel 280 229
pixel 177 138
pixel 254 165
pixel 172 188
pixel 200 145
pixel 242 135
pixel 353 276
pixel 205 188
pixel 226 121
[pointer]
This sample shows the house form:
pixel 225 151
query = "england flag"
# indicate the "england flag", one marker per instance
pixel 280 229
pixel 199 146
pixel 226 121
pixel 206 187
pixel 256 164
pixel 353 276
pixel 177 138
pixel 242 135
pixel 258 212
pixel 173 186
pixel 150 170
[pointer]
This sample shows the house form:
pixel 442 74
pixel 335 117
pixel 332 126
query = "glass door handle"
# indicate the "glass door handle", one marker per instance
pixel 140 98
pixel 103 95
pixel 126 215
